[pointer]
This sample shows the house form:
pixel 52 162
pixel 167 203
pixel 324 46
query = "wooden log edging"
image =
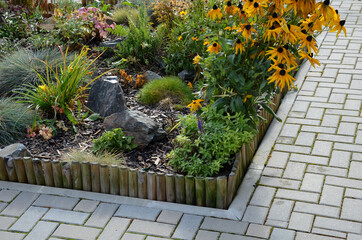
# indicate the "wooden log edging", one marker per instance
pixel 121 180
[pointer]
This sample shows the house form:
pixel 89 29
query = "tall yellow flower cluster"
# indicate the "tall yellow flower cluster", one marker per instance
pixel 282 31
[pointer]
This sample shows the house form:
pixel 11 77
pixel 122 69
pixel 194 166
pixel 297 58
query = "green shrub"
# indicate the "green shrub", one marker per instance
pixel 169 87
pixel 104 158
pixel 22 66
pixel 14 119
pixel 121 15
pixel 114 142
pixel 207 145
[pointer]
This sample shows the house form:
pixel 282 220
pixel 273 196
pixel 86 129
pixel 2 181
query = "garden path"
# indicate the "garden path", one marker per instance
pixel 310 186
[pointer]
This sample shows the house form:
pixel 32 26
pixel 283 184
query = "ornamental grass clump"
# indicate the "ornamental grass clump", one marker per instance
pixel 254 46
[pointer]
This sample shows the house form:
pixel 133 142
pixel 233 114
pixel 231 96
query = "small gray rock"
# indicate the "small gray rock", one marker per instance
pixel 187 76
pixel 15 150
pixel 106 96
pixel 111 44
pixel 150 76
pixel 136 124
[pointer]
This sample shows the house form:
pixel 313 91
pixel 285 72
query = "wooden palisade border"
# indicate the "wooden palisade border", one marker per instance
pixel 215 192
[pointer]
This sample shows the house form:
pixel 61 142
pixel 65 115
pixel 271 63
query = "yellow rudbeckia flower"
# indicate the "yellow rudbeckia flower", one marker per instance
pixel 197 59
pixel 215 13
pixel 282 78
pixel 195 105
pixel 339 27
pixel 313 61
pixel 239 47
pixel 214 48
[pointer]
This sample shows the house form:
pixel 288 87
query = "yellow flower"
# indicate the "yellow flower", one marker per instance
pixel 279 53
pixel 312 24
pixel 239 47
pixel 194 38
pixel 256 8
pixel 246 30
pixel 310 43
pixel 323 8
pixel 214 48
pixel 246 97
pixel 215 13
pixel 190 85
pixel 304 55
pixel 43 87
pixel 197 59
pixel 272 32
pixel 183 13
pixel 339 27
pixel 180 38
pixel 206 42
pixel 282 78
pixel 195 105
pixel 230 9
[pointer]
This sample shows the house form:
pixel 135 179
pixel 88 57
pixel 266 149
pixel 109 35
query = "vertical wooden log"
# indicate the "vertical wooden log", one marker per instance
pixel 78 176
pixel 86 176
pixel 114 179
pixel 221 192
pixel 104 178
pixel 180 189
pixel 123 181
pixel 29 170
pixel 67 175
pixel 231 183
pixel 239 167
pixel 3 172
pixel 132 182
pixel 142 184
pixel 161 186
pixel 48 173
pixel 200 191
pixel 210 188
pixel 57 173
pixel 236 170
pixel 151 186
pixel 170 187
pixel 190 189
pixel 244 153
pixel 96 182
pixel 20 170
pixel 38 172
pixel 10 169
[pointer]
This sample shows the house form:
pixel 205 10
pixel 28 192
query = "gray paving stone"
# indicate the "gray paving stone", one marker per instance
pixel 332 171
pixel 305 139
pixel 337 98
pixel 294 170
pixel 151 228
pixel 310 236
pixel 227 236
pixel 139 212
pixel 207 235
pixel 312 182
pixel 86 206
pixel 340 159
pixel 335 138
pixel 278 159
pixel 276 223
pixel 263 196
pixel 281 210
pixel 11 235
pixel 297 195
pixel 309 159
pixel 282 234
pixel 20 204
pixel 28 220
pixel 352 209
pixel 52 201
pixel 115 229
pixel 317 209
pixel 6 222
pixel 65 216
pixel 352 236
pixel 290 130
pixel 315 113
pixel 348 147
pixel 187 227
pixel 133 236
pixel 101 215
pixel 317 129
pixel 322 148
pixel 343 182
pixel 256 230
pixel 359 137
pixel 168 216
pixel 301 221
pixel 223 225
pixel 157 238
pixel 291 148
pixel 76 232
pixel 355 170
pixel 254 214
pixel 332 195
pixel 330 120
pixel 2 206
pixel 339 225
pixel 272 172
pixel 346 128
pixel 353 193
pixel 352 104
pixel 329 232
pixel 7 195
pixel 279 182
pixel 42 230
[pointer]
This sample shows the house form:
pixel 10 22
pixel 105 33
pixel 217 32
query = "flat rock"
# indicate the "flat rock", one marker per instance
pixel 187 76
pixel 150 76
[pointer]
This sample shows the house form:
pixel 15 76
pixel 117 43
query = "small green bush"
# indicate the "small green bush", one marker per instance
pixel 22 66
pixel 104 158
pixel 113 142
pixel 168 87
pixel 14 119
pixel 207 145
pixel 123 14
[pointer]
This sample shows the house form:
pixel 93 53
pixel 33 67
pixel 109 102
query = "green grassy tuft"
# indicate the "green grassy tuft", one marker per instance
pixel 123 14
pixel 169 87
pixel 104 158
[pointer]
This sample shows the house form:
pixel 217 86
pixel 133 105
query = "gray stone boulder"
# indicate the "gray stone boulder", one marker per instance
pixel 187 76
pixel 136 124
pixel 112 44
pixel 106 96
pixel 150 76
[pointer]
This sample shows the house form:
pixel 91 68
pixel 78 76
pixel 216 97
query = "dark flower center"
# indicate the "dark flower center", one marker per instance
pixel 282 72
pixel 336 11
pixel 275 15
pixel 286 46
pixel 310 24
pixel 280 50
pixel 342 22
pixel 272 27
pixel 251 1
pixel 288 26
pixel 304 31
pixel 256 5
pixel 240 6
pixel 214 7
pixel 281 65
pixel 238 41
pixel 228 4
pixel 247 27
pixel 310 55
pixel 309 38
pixel 214 45
pixel 326 2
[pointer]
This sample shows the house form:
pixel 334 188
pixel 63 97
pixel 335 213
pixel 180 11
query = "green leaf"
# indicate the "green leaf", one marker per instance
pixel 93 117
pixel 269 110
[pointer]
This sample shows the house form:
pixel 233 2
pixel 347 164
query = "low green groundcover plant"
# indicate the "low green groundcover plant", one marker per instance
pixel 167 87
pixel 207 142
pixel 14 118
pixel 103 158
pixel 123 14
pixel 113 142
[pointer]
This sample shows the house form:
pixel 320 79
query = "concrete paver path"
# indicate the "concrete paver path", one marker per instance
pixel 310 186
